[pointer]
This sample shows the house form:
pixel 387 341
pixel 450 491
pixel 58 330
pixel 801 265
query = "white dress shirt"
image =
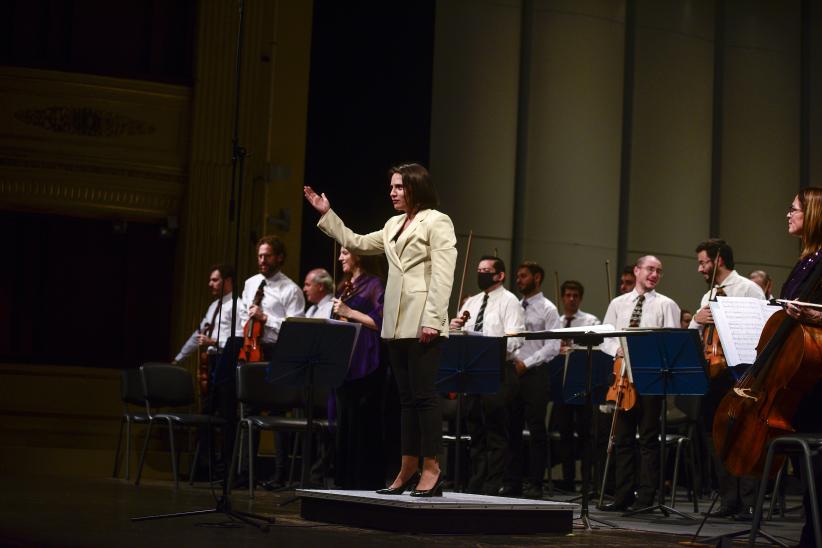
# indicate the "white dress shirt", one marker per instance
pixel 321 309
pixel 579 319
pixel 282 298
pixel 733 285
pixel 222 334
pixel 657 311
pixel 503 314
pixel 540 315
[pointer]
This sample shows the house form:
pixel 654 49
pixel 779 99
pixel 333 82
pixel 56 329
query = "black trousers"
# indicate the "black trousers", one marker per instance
pixel 565 419
pixel 527 406
pixel 487 423
pixel 415 368
pixel 644 418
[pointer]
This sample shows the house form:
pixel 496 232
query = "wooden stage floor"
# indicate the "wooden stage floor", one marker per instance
pixel 90 512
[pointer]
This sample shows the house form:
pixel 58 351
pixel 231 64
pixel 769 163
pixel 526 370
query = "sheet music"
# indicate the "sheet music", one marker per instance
pixel 739 322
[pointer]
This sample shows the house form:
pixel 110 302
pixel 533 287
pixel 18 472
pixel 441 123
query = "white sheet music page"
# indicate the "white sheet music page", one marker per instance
pixel 739 322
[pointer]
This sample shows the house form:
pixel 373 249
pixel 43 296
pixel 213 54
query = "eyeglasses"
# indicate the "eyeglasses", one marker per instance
pixel 651 270
pixel 792 210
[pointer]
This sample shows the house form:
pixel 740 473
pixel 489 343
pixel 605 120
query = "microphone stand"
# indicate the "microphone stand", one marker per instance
pixel 238 154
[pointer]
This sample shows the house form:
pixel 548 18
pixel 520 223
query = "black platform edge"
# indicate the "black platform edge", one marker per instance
pixel 430 520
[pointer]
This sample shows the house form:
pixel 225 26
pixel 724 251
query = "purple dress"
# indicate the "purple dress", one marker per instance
pixel 367 297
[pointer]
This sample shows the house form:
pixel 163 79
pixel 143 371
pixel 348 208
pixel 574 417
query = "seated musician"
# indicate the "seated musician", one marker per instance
pixel 715 262
pixel 319 292
pixel 805 222
pixel 641 307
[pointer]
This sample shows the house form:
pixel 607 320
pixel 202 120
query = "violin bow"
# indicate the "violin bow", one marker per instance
pixel 608 278
pixel 464 270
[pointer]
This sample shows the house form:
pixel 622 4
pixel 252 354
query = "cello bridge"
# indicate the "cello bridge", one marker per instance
pixel 745 393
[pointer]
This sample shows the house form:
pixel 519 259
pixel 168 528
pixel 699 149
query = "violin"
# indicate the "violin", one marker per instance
pixel 202 367
pixel 251 350
pixel 712 347
pixel 346 291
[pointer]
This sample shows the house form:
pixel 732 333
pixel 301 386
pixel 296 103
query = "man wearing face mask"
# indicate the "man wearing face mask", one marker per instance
pixel 494 312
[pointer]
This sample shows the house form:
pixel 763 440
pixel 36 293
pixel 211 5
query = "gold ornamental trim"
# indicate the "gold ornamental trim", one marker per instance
pixel 84 121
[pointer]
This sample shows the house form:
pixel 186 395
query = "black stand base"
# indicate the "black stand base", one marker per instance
pixel 223 507
pixel 666 511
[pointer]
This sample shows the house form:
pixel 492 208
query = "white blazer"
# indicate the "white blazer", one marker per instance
pixel 420 268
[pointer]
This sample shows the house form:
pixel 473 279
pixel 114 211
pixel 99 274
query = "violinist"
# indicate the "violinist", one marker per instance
pixel 641 307
pixel 319 292
pixel 281 297
pixel 715 262
pixel 763 280
pixel 805 222
pixel 359 462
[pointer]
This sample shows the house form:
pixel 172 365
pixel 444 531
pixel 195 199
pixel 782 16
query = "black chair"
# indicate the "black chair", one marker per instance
pixel 686 435
pixel 131 393
pixel 167 385
pixel 806 447
pixel 255 392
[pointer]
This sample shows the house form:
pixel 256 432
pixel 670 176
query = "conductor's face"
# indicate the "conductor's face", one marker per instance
pixel 398 193
pixel 267 261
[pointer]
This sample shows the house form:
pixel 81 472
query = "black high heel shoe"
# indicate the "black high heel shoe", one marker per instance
pixel 435 491
pixel 410 484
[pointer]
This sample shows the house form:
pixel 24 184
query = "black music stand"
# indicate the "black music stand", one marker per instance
pixel 470 364
pixel 667 362
pixel 588 339
pixel 310 353
pixel 569 386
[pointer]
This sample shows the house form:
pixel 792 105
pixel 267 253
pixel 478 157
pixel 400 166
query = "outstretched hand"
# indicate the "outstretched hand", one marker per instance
pixel 317 201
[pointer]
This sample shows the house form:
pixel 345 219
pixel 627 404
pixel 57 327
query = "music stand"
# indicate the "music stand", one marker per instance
pixel 571 386
pixel 470 363
pixel 588 339
pixel 667 362
pixel 310 353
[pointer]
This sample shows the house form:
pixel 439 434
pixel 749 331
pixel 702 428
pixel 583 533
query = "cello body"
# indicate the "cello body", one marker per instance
pixel 764 401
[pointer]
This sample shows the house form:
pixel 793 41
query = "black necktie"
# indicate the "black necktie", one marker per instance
pixel 481 314
pixel 636 315
pixel 568 320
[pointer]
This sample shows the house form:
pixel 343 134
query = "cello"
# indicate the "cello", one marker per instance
pixel 251 351
pixel 762 404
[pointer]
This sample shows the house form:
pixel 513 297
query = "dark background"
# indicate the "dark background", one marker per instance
pixel 81 291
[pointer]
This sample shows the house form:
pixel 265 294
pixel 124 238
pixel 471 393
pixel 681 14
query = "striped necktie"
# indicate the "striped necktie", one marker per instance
pixel 636 315
pixel 481 314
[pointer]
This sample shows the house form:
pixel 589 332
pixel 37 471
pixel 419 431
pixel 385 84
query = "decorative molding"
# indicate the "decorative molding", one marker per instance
pixel 85 121
pixel 73 197
pixel 91 169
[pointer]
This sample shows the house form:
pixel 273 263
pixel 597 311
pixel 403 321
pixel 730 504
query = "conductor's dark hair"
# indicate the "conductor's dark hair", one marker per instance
pixel 499 264
pixel 419 190
pixel 714 246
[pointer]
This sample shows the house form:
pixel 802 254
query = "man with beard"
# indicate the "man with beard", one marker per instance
pixel 281 296
pixel 528 401
pixel 641 307
pixel 494 311
pixel 736 495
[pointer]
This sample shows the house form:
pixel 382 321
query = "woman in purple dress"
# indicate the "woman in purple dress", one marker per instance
pixel 360 462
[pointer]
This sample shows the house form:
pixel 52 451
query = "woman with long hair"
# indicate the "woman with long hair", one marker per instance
pixel 420 246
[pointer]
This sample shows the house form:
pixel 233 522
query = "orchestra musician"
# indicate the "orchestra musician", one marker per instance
pixel 359 449
pixel 715 262
pixel 805 222
pixel 319 291
pixel 494 311
pixel 281 298
pixel 763 280
pixel 565 417
pixel 420 246
pixel 528 401
pixel 627 280
pixel 641 307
